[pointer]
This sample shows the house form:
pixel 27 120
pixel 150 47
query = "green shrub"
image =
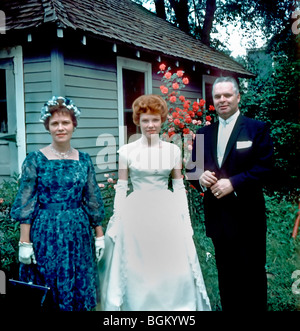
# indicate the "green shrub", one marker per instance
pixel 283 254
pixel 9 230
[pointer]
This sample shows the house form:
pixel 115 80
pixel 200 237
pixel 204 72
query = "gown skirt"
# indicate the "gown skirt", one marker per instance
pixel 150 262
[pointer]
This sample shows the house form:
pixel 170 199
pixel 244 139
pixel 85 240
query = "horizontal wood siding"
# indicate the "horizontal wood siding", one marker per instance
pixel 92 85
pixel 91 82
pixel 37 89
pixel 191 91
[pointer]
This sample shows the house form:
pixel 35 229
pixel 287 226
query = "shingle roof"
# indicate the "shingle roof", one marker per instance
pixel 118 20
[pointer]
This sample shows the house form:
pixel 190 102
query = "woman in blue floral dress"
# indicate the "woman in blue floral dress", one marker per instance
pixel 59 207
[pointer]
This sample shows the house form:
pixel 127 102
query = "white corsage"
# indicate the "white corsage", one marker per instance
pixel 67 103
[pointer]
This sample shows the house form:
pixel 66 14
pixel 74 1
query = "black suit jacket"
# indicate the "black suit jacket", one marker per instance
pixel 247 162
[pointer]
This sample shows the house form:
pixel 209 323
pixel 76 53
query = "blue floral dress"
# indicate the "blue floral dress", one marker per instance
pixel 62 202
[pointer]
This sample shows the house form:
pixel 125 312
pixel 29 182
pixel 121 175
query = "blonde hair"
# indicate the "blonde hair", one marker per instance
pixel 150 103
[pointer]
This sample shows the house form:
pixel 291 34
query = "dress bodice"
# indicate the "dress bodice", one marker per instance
pixel 57 181
pixel 150 167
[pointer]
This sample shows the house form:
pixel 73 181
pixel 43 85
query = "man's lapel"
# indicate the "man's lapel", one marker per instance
pixel 214 141
pixel 233 137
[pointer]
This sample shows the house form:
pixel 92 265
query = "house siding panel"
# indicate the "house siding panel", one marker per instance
pixel 37 89
pixel 92 86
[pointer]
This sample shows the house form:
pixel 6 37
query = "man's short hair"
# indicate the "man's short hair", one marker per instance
pixel 227 79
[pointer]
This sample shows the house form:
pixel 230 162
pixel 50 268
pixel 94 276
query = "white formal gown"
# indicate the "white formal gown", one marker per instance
pixel 150 261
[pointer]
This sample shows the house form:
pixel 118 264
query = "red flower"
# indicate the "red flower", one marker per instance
pixel 199 113
pixel 179 73
pixel 175 86
pixel 202 194
pixel 186 131
pixel 195 106
pixel 175 114
pixel 168 75
pixel 185 80
pixel 186 104
pixel 162 67
pixel 182 98
pixel 188 119
pixel 172 98
pixel 201 103
pixel 164 89
pixel 211 108
pixel 208 118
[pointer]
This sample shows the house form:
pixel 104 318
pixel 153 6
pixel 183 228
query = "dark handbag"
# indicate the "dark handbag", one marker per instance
pixel 27 297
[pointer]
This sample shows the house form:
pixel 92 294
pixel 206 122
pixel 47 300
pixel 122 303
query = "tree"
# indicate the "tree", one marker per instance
pixel 181 10
pixel 273 96
pixel 160 8
pixel 200 17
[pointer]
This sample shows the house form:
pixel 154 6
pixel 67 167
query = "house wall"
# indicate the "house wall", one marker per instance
pixel 192 91
pixel 92 85
pixel 37 89
pixel 90 80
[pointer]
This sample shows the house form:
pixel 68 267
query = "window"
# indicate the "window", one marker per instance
pixel 134 79
pixel 133 87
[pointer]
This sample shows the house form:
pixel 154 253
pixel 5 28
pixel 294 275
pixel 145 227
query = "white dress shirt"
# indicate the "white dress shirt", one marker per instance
pixel 225 129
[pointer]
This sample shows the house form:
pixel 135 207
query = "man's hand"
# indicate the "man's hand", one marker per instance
pixel 208 178
pixel 221 188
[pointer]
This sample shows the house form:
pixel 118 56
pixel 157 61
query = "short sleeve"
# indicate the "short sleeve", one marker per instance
pixel 123 157
pixel 177 157
pixel 92 199
pixel 25 206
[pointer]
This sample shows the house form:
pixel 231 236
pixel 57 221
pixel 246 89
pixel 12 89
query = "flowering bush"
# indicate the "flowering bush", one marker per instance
pixel 108 195
pixel 185 117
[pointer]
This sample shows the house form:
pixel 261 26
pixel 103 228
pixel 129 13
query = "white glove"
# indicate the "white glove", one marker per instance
pixel 121 193
pixel 99 245
pixel 26 253
pixel 179 190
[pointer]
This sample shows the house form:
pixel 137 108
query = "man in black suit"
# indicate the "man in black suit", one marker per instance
pixel 238 154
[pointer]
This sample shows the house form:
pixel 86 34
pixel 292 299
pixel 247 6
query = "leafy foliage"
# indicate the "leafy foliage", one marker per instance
pixel 9 230
pixel 273 96
pixel 283 254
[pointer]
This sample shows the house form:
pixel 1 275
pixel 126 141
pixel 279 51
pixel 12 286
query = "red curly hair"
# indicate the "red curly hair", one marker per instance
pixel 150 103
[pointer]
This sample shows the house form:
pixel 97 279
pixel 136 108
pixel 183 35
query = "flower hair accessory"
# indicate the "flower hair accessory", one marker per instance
pixel 67 103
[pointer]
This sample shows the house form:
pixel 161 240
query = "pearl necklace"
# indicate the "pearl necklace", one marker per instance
pixel 61 155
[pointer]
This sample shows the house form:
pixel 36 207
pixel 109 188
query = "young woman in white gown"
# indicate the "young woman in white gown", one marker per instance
pixel 150 261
